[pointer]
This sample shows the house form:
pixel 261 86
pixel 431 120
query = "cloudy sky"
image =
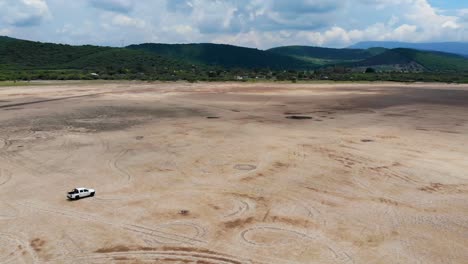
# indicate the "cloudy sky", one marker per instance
pixel 252 23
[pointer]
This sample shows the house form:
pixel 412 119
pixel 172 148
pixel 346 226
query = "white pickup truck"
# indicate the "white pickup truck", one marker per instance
pixel 78 193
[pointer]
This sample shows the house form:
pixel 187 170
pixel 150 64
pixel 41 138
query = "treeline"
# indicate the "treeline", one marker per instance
pixel 240 75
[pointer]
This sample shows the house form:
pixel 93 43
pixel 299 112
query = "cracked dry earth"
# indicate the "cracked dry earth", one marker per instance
pixel 234 173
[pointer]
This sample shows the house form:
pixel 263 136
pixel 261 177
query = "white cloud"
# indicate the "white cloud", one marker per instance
pixel 319 22
pixel 416 21
pixel 450 24
pixel 231 16
pixel 5 31
pixel 126 21
pixel 463 12
pixel 24 13
pixel 248 39
pixel 183 29
pixel 404 32
pixel 255 23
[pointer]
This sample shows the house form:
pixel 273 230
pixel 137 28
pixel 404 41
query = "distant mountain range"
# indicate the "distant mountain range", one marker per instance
pixel 326 56
pixel 417 60
pixel 398 59
pixel 211 61
pixel 449 47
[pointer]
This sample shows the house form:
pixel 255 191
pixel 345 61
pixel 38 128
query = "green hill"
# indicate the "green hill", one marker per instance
pixel 428 60
pixel 225 56
pixel 29 55
pixel 437 61
pixel 23 54
pixel 325 56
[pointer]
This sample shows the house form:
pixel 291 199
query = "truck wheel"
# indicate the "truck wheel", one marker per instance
pixel 92 194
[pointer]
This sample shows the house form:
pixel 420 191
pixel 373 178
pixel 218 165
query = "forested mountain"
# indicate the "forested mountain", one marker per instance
pixel 227 56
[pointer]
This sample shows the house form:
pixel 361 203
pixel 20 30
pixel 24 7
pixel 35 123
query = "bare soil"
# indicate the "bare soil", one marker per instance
pixel 234 173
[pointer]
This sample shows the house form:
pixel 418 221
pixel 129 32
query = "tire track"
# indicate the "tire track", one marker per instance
pixel 70 246
pixel 5 176
pixel 20 249
pixel 5 144
pixel 296 157
pixel 156 233
pixel 107 199
pixel 66 149
pixel 285 232
pixel 168 255
pixel 199 230
pixel 48 100
pixel 114 165
pixel 312 212
pixel 358 170
pixel 235 127
pixel 162 234
pixel 104 149
pixel 7 211
pixel 13 159
pixel 31 165
pixel 239 209
pixel 337 252
pixel 236 204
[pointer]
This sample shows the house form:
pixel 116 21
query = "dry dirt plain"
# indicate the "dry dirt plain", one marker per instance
pixel 218 173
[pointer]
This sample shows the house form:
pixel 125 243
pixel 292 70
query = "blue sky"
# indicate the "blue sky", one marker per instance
pixel 252 23
pixel 447 4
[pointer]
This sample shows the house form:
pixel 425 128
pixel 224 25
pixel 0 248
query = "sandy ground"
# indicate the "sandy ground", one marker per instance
pixel 234 173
